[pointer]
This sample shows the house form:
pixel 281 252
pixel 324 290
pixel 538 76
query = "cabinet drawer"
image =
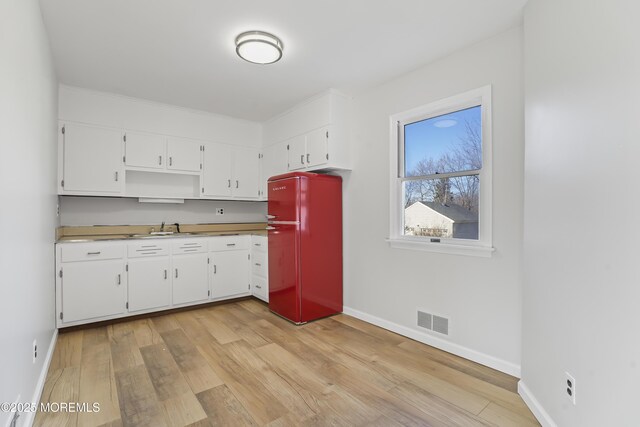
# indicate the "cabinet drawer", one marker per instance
pixel 90 251
pixel 228 243
pixel 259 243
pixel 189 246
pixel 259 264
pixel 260 288
pixel 147 248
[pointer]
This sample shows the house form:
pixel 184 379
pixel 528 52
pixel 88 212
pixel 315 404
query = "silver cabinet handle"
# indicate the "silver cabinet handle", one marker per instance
pixel 302 158
pixel 165 274
pixel 176 273
pixel 258 264
pixel 215 269
pixel 119 279
pixel 258 286
pixel 93 253
pixel 257 244
pixel 231 244
pixel 170 161
pixel 307 157
pixel 160 160
pixel 229 183
pixel 237 183
pixel 116 176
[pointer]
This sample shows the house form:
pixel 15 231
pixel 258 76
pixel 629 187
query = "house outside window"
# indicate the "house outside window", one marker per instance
pixel 441 176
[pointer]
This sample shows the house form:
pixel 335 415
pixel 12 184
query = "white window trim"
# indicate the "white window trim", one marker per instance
pixel 481 247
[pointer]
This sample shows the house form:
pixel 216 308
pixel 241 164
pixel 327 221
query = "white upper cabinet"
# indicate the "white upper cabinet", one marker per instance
pixel 184 155
pixel 317 147
pixel 275 161
pixel 91 160
pixel 246 173
pixel 297 149
pixel 316 131
pixel 230 172
pixel 145 150
pixel 216 170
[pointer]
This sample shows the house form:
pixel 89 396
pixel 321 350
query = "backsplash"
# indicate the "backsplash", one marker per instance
pixel 127 211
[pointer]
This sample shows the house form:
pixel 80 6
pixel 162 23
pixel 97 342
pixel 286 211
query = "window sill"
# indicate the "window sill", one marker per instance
pixel 443 248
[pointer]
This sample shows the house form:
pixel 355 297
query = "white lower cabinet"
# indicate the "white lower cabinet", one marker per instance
pixel 107 280
pixel 149 283
pixel 260 268
pixel 91 283
pixel 190 278
pixel 230 274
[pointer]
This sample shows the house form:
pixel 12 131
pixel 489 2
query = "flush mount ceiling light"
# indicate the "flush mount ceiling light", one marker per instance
pixel 259 47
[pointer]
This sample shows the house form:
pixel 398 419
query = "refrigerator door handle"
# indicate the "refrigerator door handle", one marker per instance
pixel 271 228
pixel 271 216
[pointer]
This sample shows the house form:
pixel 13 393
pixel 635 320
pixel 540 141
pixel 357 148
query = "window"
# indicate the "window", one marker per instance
pixel 441 176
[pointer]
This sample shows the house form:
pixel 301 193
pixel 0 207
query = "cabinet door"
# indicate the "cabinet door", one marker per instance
pixel 297 152
pixel 190 278
pixel 149 283
pixel 92 159
pixel 184 155
pixel 93 289
pixel 145 150
pixel 216 173
pixel 230 273
pixel 246 173
pixel 274 162
pixel 317 147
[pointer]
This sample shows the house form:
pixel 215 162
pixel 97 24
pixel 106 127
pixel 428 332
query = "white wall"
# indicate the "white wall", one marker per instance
pixel 87 106
pixel 117 211
pixel 28 112
pixel 482 297
pixel 582 286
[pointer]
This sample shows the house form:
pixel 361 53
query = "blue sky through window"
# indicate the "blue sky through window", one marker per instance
pixel 436 136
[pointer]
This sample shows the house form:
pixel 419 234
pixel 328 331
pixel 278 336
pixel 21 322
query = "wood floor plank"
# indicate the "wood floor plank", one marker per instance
pixel 253 395
pixel 164 372
pixel 223 408
pixel 282 390
pixel 98 384
pixel 124 346
pixel 68 351
pixel 62 385
pixel 239 364
pixel 192 364
pixel 503 417
pixel 139 404
pixel 164 323
pixel 145 332
pixel 218 329
pixel 183 410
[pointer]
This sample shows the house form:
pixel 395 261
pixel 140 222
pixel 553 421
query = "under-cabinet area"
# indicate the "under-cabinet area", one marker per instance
pixel 105 280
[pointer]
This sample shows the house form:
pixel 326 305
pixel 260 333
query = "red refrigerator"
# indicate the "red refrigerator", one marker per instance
pixel 305 245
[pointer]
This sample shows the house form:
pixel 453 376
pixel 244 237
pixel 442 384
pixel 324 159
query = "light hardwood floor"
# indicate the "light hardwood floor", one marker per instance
pixel 238 364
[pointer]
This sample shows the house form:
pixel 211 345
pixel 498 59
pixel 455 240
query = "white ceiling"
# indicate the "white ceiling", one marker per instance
pixel 182 52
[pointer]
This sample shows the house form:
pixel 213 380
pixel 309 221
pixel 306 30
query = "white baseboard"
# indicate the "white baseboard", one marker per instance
pixel 538 411
pixel 458 350
pixel 37 394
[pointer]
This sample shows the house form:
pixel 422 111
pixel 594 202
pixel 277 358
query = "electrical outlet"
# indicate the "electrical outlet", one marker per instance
pixel 35 350
pixel 570 385
pixel 220 211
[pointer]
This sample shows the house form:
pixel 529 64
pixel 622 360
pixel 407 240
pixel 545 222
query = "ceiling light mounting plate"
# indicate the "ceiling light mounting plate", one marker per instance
pixel 259 47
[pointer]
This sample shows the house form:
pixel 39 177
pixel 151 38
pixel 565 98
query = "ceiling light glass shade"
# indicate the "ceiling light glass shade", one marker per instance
pixel 259 47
